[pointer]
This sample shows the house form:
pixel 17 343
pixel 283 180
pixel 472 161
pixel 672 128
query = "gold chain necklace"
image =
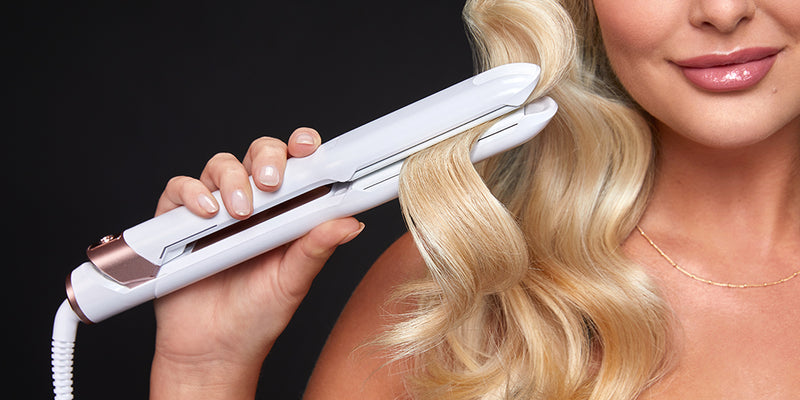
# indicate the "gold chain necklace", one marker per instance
pixel 708 281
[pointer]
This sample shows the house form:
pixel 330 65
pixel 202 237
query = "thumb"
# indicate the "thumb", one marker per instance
pixel 306 256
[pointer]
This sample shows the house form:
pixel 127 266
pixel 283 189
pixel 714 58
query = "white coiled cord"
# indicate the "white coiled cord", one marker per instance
pixel 65 327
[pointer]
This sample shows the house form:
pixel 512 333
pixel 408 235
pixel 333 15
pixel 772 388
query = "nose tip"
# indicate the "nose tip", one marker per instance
pixel 722 15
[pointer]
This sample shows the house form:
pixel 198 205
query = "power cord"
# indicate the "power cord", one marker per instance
pixel 65 327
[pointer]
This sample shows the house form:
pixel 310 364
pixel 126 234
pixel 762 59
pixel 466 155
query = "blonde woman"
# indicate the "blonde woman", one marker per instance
pixel 645 245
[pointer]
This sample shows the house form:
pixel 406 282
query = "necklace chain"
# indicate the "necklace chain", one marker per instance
pixel 708 281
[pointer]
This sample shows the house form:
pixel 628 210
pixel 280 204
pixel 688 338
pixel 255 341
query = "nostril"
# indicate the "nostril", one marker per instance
pixel 722 15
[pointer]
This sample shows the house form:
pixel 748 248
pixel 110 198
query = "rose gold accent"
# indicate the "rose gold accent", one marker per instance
pixel 74 303
pixel 118 261
pixel 115 258
pixel 106 239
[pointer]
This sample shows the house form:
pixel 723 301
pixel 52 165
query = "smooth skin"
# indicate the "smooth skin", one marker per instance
pixel 213 336
pixel 726 205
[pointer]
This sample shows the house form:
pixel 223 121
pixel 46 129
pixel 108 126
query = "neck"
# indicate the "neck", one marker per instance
pixel 741 204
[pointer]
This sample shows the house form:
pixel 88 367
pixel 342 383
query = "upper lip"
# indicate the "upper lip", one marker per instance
pixel 734 57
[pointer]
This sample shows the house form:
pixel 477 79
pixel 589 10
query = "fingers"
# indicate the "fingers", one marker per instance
pixel 303 142
pixel 306 256
pixel 189 192
pixel 265 160
pixel 266 157
pixel 226 173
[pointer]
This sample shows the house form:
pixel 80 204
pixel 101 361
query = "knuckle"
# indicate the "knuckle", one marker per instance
pixel 220 158
pixel 268 147
pixel 314 249
pixel 222 164
pixel 266 143
pixel 177 182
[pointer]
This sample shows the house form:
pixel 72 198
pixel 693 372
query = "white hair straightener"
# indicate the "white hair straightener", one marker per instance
pixel 352 173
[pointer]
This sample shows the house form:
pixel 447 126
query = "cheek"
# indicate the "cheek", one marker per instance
pixel 787 14
pixel 635 25
pixel 635 33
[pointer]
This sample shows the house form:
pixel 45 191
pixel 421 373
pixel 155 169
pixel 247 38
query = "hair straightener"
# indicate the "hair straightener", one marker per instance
pixel 352 173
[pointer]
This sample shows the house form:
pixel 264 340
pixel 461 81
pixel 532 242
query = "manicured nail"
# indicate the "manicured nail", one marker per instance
pixel 304 138
pixel 240 203
pixel 207 203
pixel 268 176
pixel 354 234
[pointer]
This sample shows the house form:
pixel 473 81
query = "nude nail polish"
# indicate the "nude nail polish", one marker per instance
pixel 353 235
pixel 240 203
pixel 268 176
pixel 207 203
pixel 304 138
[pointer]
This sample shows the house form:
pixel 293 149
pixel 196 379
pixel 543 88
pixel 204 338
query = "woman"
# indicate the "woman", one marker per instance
pixel 646 246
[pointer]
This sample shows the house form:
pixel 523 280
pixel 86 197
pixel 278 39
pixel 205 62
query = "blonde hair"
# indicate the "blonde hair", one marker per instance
pixel 528 295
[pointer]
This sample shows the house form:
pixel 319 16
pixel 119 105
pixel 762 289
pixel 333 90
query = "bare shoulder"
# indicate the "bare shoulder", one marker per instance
pixel 344 369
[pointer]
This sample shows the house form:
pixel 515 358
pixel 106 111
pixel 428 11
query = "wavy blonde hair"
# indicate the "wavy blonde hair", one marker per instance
pixel 528 295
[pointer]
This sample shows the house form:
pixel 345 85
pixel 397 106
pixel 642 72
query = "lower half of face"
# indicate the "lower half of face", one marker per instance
pixel 722 73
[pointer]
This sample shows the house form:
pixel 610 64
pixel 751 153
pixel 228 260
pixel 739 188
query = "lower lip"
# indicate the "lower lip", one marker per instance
pixel 728 78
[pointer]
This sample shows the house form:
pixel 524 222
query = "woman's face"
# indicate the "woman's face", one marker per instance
pixel 724 73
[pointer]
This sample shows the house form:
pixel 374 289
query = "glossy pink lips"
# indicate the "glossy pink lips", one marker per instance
pixel 729 72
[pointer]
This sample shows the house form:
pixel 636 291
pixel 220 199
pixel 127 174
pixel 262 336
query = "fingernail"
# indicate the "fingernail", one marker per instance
pixel 207 203
pixel 354 234
pixel 240 203
pixel 268 176
pixel 304 138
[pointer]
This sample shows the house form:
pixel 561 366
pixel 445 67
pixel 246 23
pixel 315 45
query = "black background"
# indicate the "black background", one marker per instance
pixel 107 100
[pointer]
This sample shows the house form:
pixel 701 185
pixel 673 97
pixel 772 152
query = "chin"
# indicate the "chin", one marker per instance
pixel 727 135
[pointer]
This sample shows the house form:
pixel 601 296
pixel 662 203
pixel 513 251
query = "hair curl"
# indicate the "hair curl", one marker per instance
pixel 528 294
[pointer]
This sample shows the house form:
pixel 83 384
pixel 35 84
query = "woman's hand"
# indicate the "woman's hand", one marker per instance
pixel 212 337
